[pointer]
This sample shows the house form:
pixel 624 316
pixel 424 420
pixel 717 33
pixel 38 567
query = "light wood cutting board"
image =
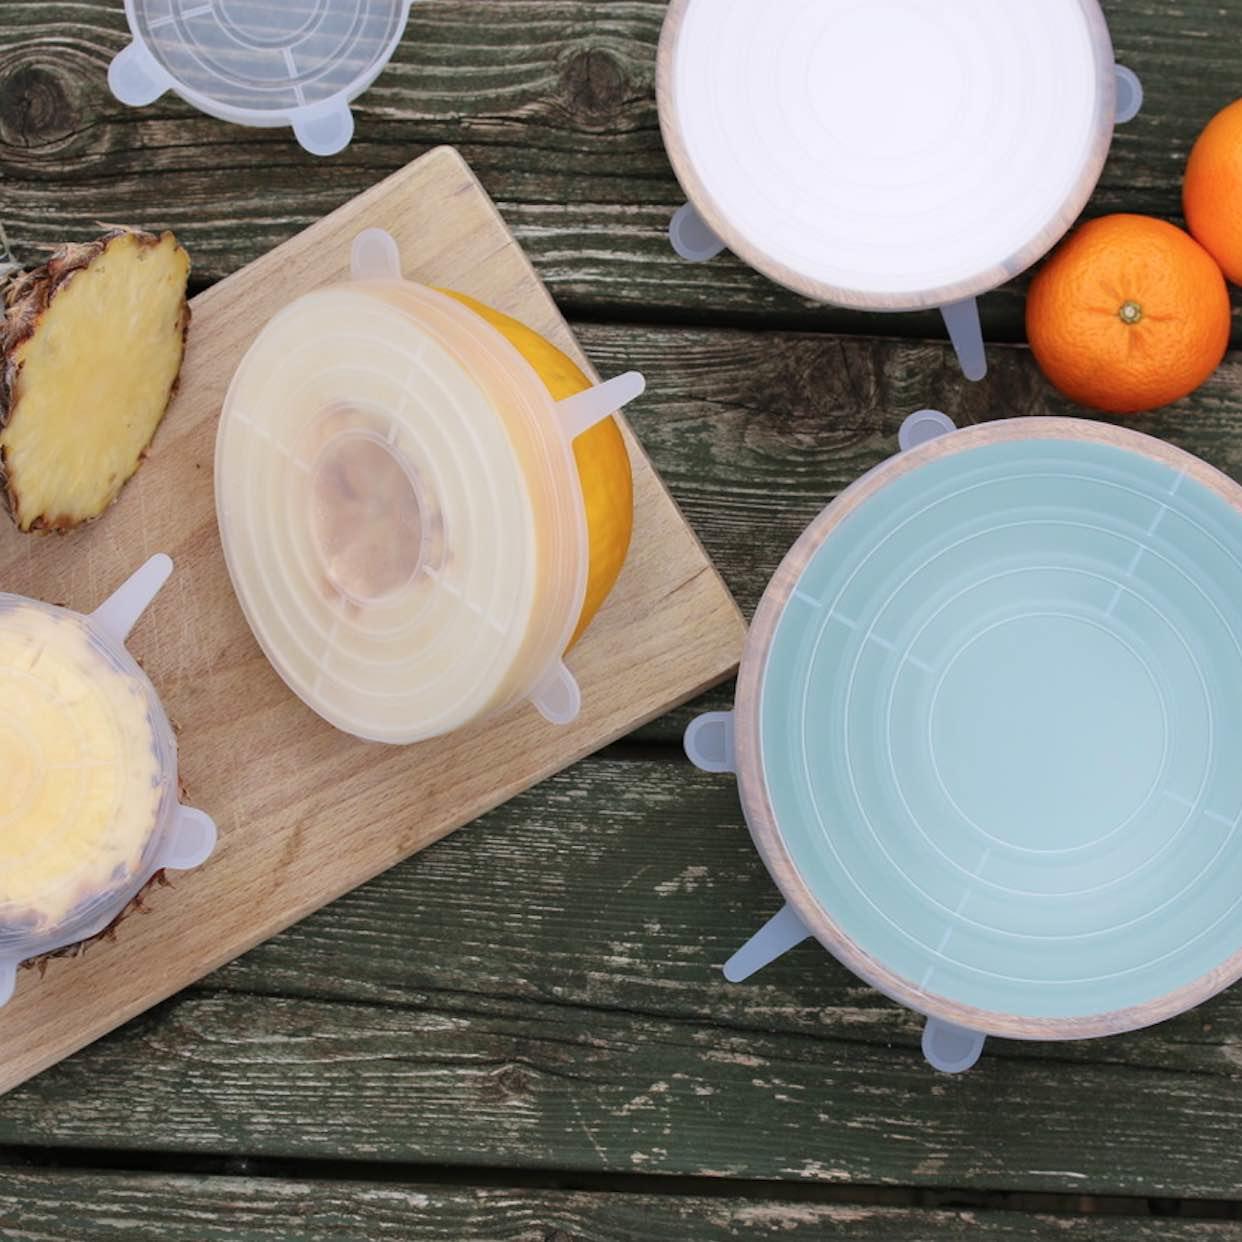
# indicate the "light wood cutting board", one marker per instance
pixel 305 812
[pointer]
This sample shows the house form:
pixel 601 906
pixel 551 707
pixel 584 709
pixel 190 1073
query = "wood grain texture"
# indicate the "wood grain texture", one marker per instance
pixel 306 812
pixel 553 104
pixel 67 1207
pixel 755 432
pixel 544 992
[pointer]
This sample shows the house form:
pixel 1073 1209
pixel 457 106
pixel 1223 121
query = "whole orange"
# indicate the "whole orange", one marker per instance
pixel 1128 314
pixel 1212 191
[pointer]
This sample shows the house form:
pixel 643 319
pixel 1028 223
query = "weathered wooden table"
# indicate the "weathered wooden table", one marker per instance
pixel 523 1033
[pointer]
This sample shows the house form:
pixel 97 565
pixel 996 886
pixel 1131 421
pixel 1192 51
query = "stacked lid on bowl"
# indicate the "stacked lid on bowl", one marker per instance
pixel 400 508
pixel 89 764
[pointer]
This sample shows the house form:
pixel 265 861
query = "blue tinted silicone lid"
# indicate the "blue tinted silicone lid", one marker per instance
pixel 1000 722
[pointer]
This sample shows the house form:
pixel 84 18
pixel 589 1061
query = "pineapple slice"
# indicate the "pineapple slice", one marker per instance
pixel 79 767
pixel 90 351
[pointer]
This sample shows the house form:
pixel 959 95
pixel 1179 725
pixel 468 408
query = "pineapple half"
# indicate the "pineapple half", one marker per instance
pixel 90 349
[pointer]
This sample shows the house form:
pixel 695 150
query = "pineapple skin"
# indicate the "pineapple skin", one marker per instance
pixel 30 300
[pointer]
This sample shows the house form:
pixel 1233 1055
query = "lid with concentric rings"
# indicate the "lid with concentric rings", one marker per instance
pixel 254 62
pixel 400 507
pixel 989 726
pixel 888 154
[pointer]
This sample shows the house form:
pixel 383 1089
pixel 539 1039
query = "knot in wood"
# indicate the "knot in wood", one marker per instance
pixel 512 1083
pixel 595 88
pixel 35 107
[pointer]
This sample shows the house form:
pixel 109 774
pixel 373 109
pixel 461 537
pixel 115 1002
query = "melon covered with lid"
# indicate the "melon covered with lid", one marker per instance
pixel 400 507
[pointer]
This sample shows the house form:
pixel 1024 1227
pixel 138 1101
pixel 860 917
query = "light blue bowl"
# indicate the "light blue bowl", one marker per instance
pixel 1000 731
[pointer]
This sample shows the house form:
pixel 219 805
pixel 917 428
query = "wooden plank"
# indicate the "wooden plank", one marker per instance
pixel 553 104
pixel 306 812
pixel 544 992
pixel 754 432
pixel 47 1206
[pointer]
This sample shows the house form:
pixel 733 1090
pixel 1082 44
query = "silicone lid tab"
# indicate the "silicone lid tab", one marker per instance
pixel 255 62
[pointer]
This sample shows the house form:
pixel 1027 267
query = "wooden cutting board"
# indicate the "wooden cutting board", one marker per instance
pixel 305 812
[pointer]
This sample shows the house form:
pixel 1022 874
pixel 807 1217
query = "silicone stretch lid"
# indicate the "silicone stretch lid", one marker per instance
pixel 89 763
pixel 400 508
pixel 888 154
pixel 999 724
pixel 254 62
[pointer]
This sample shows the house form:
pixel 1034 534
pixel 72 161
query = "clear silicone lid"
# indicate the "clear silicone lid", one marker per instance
pixel 887 154
pixel 400 509
pixel 89 764
pixel 999 724
pixel 255 62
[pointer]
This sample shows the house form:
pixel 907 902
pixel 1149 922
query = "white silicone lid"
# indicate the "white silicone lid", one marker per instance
pixel 59 670
pixel 400 508
pixel 261 62
pixel 890 154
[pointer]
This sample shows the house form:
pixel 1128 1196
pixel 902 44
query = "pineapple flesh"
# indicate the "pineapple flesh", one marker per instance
pixel 90 349
pixel 80 768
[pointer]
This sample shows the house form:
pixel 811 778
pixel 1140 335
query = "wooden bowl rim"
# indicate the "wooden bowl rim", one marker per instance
pixel 752 788
pixel 983 281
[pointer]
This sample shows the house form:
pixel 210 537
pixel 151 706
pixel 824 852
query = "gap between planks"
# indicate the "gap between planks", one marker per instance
pixel 104 1161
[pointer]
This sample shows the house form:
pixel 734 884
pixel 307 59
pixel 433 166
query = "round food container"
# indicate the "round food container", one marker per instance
pixel 401 510
pixel 892 155
pixel 89 763
pixel 255 62
pixel 987 727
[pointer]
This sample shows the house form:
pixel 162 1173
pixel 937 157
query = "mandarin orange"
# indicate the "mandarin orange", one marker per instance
pixel 1128 314
pixel 1212 190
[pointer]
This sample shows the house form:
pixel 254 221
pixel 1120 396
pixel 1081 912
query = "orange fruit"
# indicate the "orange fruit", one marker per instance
pixel 1128 314
pixel 601 456
pixel 1212 190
